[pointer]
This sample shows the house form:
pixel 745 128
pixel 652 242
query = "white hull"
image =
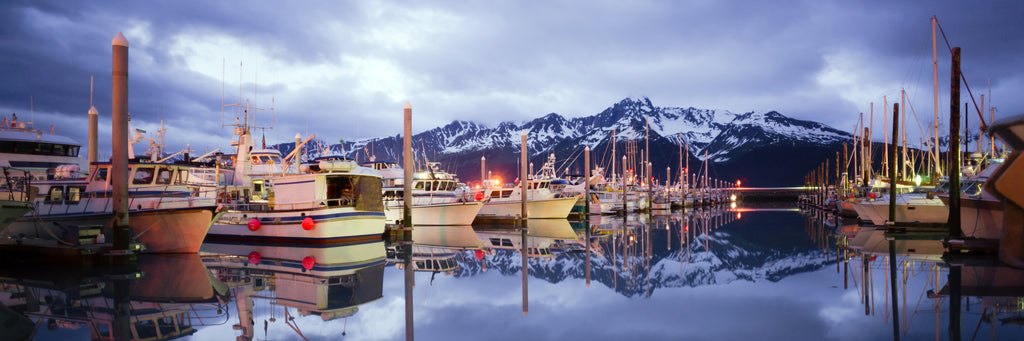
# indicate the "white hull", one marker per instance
pixel 981 218
pixel 161 231
pixel 917 210
pixel 458 213
pixel 557 208
pixel 330 225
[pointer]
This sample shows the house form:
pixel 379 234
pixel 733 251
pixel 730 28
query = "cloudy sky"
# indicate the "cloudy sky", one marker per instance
pixel 343 70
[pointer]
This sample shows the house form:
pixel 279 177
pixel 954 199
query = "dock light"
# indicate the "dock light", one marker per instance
pixel 255 257
pixel 917 180
pixel 308 262
pixel 732 197
pixel 254 224
pixel 739 215
pixel 738 183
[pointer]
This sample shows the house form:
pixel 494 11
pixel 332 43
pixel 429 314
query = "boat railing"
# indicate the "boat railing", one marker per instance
pixel 266 206
pixel 142 197
pixel 16 187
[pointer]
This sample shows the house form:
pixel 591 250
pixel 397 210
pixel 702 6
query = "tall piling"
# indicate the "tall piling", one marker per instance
pixel 586 185
pixel 954 147
pixel 119 161
pixel 523 183
pixel 407 163
pixel 892 156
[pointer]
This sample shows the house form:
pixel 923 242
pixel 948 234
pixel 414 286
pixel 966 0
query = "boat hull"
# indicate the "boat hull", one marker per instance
pixel 160 230
pixel 557 208
pixel 917 211
pixel 329 225
pixel 457 213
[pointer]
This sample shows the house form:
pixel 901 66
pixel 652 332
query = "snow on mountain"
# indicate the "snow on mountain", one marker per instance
pixel 720 132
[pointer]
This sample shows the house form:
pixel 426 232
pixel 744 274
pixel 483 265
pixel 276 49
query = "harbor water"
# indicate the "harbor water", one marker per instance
pixel 722 273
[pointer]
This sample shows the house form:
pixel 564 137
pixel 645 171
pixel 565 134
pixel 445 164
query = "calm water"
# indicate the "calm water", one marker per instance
pixel 709 274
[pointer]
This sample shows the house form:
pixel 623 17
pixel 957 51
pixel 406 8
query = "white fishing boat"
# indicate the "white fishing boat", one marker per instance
pixel 541 203
pixel 437 197
pixel 276 203
pixel 341 203
pixel 544 199
pixel 165 213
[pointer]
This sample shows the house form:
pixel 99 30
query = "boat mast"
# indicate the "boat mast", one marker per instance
pixel 903 128
pixel 935 82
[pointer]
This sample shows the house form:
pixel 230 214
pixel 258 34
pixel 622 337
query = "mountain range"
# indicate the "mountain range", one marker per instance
pixel 761 149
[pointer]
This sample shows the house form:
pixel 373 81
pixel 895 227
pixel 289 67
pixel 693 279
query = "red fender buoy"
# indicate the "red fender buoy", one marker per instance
pixel 254 224
pixel 308 262
pixel 308 224
pixel 254 257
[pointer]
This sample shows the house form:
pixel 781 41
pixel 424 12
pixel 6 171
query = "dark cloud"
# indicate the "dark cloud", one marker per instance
pixel 489 62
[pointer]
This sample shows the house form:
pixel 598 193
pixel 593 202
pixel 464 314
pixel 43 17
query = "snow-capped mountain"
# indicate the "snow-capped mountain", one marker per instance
pixel 725 137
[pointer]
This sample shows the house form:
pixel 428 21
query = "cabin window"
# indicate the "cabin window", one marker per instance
pixel 435 186
pixel 420 265
pixel 255 160
pixel 183 174
pixel 163 176
pixel 101 175
pixel 143 176
pixel 56 195
pixel 74 194
pixel 419 185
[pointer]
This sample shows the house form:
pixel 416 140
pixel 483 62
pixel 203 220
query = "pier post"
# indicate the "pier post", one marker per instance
pixel 954 148
pixel 586 188
pixel 119 131
pixel 483 170
pixel 407 164
pixel 523 184
pixel 892 156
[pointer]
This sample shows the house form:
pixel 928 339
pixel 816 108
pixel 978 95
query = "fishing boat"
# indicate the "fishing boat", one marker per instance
pixel 437 197
pixel 543 200
pixel 165 213
pixel 339 201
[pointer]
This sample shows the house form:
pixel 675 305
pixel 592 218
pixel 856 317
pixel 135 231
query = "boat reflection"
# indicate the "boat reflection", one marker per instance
pixel 329 282
pixel 910 275
pixel 437 249
pixel 163 298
